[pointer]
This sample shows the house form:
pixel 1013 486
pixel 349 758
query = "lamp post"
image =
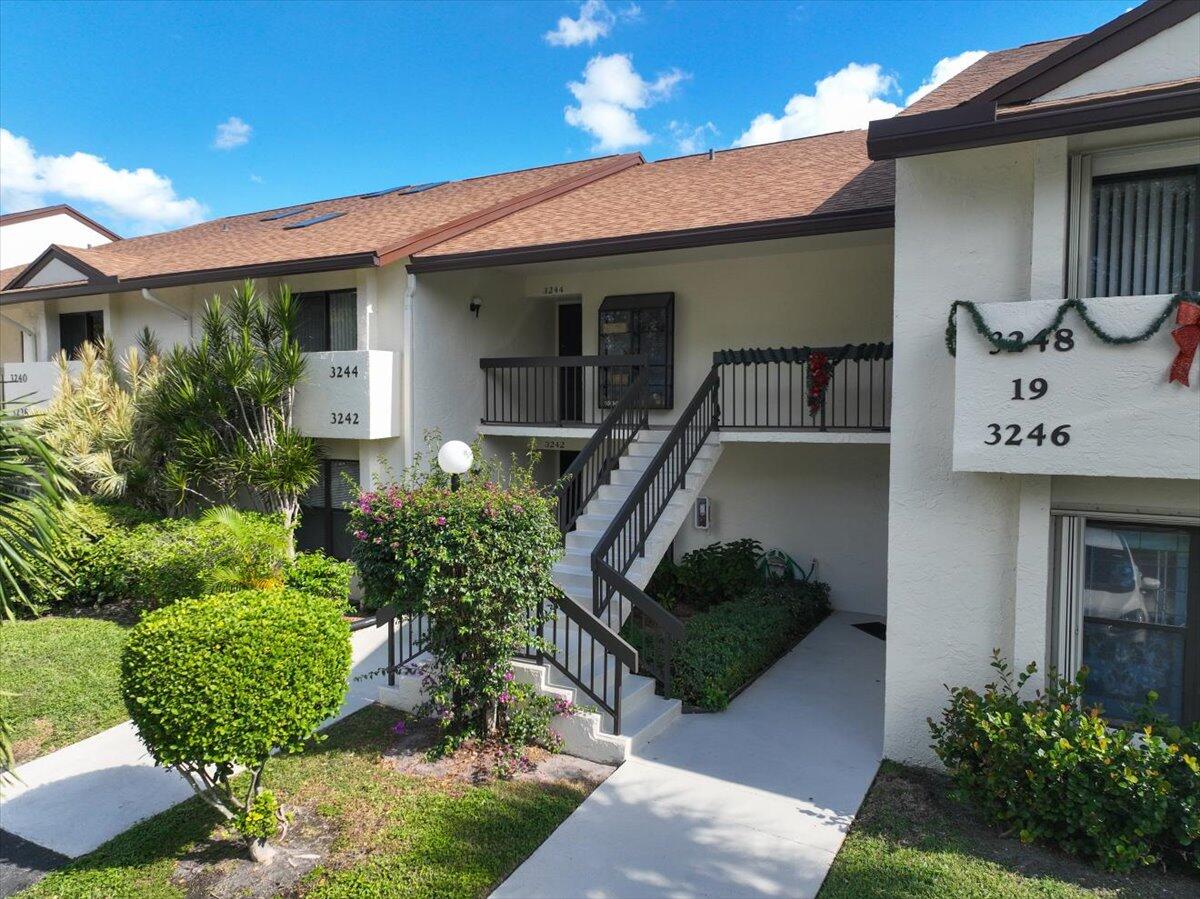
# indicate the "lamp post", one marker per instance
pixel 455 458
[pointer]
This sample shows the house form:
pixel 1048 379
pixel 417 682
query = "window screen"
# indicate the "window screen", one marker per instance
pixel 328 321
pixel 324 518
pixel 1143 233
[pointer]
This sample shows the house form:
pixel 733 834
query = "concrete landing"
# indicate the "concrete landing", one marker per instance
pixel 753 801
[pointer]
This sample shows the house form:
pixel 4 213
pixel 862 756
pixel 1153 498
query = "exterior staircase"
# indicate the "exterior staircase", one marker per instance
pixel 591 733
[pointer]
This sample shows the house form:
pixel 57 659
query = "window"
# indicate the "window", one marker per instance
pixel 1143 233
pixel 77 328
pixel 324 516
pixel 328 320
pixel 1135 221
pixel 1127 606
pixel 639 324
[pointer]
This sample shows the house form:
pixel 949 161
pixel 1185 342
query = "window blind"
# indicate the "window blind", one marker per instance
pixel 1143 234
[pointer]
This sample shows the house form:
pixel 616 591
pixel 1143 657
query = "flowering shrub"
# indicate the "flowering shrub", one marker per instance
pixel 1049 768
pixel 477 562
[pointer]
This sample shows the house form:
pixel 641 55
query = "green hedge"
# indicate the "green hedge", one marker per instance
pixel 115 553
pixel 1049 768
pixel 319 575
pixel 727 646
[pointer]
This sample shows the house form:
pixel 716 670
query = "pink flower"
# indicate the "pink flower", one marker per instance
pixel 378 540
pixel 508 676
pixel 505 698
pixel 397 502
pixel 398 728
pixel 441 521
pixel 360 535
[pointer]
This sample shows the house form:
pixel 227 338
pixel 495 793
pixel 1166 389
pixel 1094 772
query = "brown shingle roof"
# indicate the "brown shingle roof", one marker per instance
pixel 379 225
pixel 984 74
pixel 827 173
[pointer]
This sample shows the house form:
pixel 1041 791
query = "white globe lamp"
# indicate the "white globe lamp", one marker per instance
pixel 455 458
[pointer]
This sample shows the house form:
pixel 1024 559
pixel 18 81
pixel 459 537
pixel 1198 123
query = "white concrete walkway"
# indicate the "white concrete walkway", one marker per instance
pixel 754 801
pixel 85 794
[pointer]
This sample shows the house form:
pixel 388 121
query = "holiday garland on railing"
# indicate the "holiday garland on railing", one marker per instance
pixel 820 370
pixel 1187 335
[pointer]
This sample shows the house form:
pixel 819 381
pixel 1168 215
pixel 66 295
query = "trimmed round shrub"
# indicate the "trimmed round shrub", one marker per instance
pixel 226 679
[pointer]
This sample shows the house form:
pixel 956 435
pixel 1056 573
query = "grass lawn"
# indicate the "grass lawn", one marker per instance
pixel 387 833
pixel 911 840
pixel 64 674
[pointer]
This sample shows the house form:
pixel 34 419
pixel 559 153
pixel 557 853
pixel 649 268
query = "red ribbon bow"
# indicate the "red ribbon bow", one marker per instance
pixel 1187 336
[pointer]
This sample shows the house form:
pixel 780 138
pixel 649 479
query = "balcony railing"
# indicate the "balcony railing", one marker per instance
pixel 555 391
pixel 769 389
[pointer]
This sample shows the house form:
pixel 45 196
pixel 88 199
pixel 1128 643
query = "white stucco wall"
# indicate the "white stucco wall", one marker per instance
pixel 968 553
pixel 22 242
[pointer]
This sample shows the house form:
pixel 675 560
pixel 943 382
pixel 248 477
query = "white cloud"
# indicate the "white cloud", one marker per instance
pixel 141 197
pixel 257 179
pixel 847 99
pixel 689 140
pixel 232 132
pixel 595 21
pixel 608 96
pixel 945 69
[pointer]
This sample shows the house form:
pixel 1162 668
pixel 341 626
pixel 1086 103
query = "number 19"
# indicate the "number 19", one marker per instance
pixel 1037 389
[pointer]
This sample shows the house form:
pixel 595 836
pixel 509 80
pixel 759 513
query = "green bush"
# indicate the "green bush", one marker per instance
pixel 726 646
pixel 717 573
pixel 226 680
pixel 158 562
pixel 319 575
pixel 477 562
pixel 1049 768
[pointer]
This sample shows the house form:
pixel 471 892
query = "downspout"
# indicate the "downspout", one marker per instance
pixel 147 295
pixel 24 329
pixel 408 416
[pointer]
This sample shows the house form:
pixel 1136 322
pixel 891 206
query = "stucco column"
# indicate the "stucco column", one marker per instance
pixel 1030 585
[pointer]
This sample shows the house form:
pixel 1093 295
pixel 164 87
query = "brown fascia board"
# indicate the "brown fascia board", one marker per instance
pixel 1090 50
pixel 28 215
pixel 743 232
pixel 448 230
pixel 11 295
pixel 52 252
pixel 977 124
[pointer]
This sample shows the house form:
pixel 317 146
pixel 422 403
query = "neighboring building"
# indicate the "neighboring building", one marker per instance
pixel 24 236
pixel 721 326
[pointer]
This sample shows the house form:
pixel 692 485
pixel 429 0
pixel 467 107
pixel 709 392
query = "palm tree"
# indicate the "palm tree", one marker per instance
pixel 220 415
pixel 32 489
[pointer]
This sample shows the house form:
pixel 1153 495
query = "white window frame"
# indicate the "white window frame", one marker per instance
pixel 1097 164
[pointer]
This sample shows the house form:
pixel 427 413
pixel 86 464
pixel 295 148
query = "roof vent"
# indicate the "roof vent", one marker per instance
pixel 287 213
pixel 382 193
pixel 315 220
pixel 421 188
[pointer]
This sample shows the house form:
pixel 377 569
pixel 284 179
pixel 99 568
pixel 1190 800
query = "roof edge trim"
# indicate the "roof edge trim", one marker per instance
pixel 977 125
pixel 55 252
pixel 29 215
pixel 742 232
pixel 8 296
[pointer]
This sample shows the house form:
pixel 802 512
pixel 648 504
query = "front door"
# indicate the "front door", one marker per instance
pixel 570 378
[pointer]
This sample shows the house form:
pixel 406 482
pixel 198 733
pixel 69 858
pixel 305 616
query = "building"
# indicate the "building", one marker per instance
pixel 24 235
pixel 705 345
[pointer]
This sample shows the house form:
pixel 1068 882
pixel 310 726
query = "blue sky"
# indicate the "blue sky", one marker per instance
pixel 150 116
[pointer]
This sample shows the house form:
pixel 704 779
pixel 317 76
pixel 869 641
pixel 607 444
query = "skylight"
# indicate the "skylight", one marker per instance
pixel 315 220
pixel 287 213
pixel 382 193
pixel 419 188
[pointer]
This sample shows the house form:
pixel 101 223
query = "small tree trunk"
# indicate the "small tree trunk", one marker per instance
pixel 490 715
pixel 262 851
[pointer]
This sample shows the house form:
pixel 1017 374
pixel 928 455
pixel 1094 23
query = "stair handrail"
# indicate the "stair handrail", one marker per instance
pixel 594 465
pixel 640 512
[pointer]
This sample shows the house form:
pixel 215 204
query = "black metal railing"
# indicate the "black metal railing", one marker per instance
pixel 770 388
pixel 624 541
pixel 594 465
pixel 555 391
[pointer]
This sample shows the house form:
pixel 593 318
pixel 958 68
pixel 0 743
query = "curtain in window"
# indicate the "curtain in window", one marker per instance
pixel 343 320
pixel 1143 234
pixel 343 482
pixel 312 323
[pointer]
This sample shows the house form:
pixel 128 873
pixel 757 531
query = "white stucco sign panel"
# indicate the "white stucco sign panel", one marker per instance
pixel 348 394
pixel 1074 405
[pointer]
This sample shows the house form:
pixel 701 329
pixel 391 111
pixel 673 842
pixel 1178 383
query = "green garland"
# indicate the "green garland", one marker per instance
pixel 1010 345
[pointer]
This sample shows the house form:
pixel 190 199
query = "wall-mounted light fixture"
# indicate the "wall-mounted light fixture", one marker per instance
pixel 476 305
pixel 703 513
